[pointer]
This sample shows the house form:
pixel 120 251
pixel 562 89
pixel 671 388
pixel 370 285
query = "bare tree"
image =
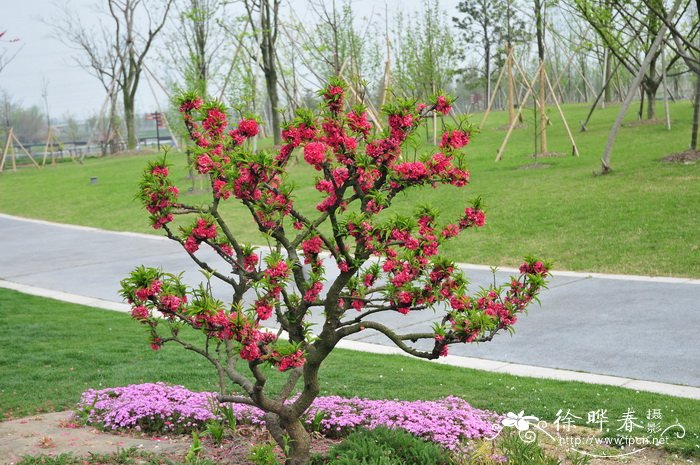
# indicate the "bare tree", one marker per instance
pixel 425 52
pixel 685 42
pixel 196 43
pixel 655 45
pixel 263 18
pixel 540 7
pixel 116 54
pixel 628 28
pixel 491 24
pixel 8 54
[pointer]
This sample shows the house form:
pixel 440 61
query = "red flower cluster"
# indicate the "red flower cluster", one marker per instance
pixel 315 154
pixel 286 362
pixel 443 105
pixel 297 135
pixel 159 195
pixel 472 217
pixel 411 171
pixel 215 123
pixel 189 105
pixel 536 267
pixel 400 125
pixel 359 124
pixel 333 95
pixel 453 140
pixel 248 128
pixel 203 230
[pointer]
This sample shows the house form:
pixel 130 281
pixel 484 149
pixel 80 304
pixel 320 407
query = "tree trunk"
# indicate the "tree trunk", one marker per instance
pixel 129 120
pixel 268 26
pixel 696 116
pixel 605 160
pixel 271 82
pixel 509 72
pixel 487 72
pixel 651 101
pixel 607 96
pixel 539 20
pixel 299 444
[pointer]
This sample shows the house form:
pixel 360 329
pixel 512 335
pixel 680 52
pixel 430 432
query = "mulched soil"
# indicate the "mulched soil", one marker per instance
pixel 689 157
pixel 234 450
pixel 535 166
pixel 644 122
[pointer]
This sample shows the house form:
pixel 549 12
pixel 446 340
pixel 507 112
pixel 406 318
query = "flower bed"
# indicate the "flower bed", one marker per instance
pixel 163 408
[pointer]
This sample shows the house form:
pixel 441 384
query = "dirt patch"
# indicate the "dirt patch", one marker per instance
pixel 689 157
pixel 549 155
pixel 55 434
pixel 505 127
pixel 535 166
pixel 644 122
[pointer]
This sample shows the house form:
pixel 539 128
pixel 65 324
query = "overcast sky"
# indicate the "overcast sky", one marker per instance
pixel 71 90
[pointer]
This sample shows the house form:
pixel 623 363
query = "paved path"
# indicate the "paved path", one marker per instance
pixel 623 326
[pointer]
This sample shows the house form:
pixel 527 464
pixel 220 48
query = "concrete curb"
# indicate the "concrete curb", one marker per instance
pixel 463 362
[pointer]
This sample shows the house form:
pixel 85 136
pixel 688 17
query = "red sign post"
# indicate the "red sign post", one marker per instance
pixel 159 119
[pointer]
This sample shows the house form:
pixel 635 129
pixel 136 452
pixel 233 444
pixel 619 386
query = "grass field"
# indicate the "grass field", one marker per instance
pixel 641 219
pixel 57 350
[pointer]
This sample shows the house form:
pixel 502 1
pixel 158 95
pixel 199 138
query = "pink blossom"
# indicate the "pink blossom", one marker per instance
pixel 411 171
pixel 248 127
pixel 191 244
pixel 250 352
pixel 160 171
pixel 315 154
pixel 443 105
pixel 312 293
pixel 312 246
pixel 140 313
pixel 454 139
pixel 263 309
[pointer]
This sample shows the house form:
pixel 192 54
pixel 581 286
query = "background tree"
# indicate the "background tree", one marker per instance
pixel 8 52
pixel 540 28
pixel 480 23
pixel 425 51
pixel 197 47
pixel 116 54
pixel 628 30
pixel 264 20
pixel 28 123
pixel 686 44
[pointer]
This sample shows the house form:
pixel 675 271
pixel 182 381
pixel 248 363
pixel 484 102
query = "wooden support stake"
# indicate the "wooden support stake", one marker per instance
pixel 492 97
pixel 25 151
pixel 499 153
pixel 663 80
pixel 5 151
pixel 574 149
pixel 46 147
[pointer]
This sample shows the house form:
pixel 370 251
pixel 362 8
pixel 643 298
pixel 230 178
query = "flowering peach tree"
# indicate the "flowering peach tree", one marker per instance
pixel 349 262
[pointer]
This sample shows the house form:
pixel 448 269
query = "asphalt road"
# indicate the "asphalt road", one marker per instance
pixel 633 327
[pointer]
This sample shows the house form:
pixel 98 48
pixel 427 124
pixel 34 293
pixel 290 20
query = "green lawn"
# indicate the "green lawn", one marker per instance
pixel 641 219
pixel 53 351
